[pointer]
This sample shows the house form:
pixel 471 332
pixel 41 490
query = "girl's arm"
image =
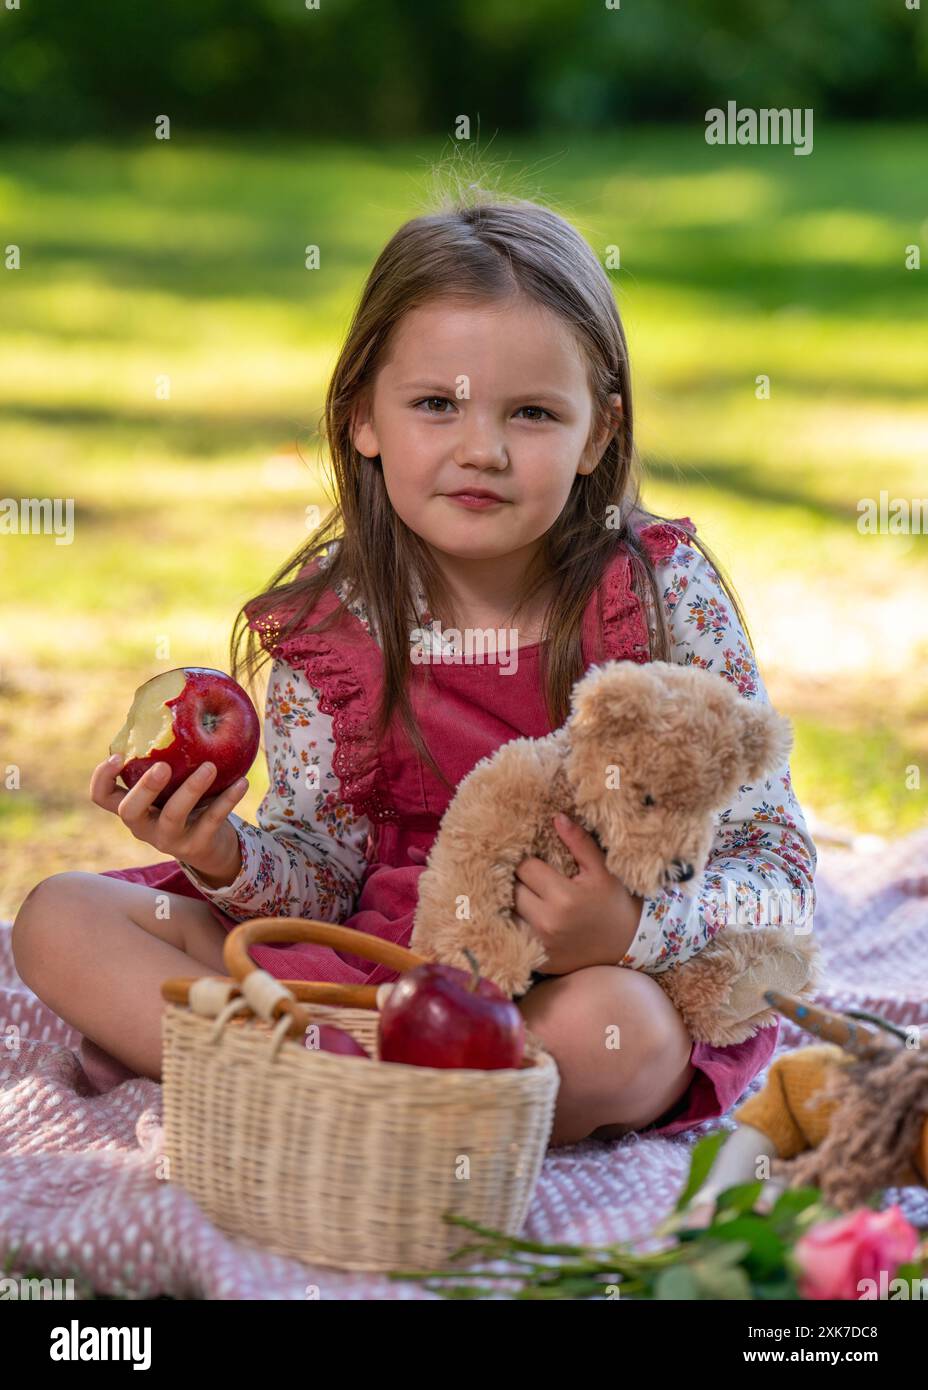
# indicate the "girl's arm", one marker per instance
pixel 762 862
pixel 306 855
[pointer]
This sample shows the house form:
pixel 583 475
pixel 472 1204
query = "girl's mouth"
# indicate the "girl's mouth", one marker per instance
pixel 467 499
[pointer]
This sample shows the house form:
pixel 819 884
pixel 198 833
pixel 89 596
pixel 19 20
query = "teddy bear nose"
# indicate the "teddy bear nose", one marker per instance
pixel 684 871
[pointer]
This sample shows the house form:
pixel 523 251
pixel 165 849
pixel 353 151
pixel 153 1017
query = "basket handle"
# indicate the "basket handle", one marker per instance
pixel 238 963
pixel 360 943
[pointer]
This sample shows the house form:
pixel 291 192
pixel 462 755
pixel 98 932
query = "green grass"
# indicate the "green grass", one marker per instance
pixel 187 259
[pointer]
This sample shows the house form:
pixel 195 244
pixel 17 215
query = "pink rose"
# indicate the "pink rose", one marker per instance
pixel 835 1255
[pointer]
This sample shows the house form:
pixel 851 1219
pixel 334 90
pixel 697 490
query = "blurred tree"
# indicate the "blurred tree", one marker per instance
pixel 355 68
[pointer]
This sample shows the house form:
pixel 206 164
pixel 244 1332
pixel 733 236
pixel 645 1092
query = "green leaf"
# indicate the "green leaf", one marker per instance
pixel 790 1203
pixel 777 1288
pixel 722 1253
pixel 689 1234
pixel 813 1215
pixel 716 1281
pixel 739 1198
pixel 675 1283
pixel 703 1157
pixel 911 1271
pixel 767 1252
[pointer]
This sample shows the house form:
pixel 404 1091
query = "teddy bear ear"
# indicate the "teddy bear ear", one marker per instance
pixel 613 696
pixel 766 739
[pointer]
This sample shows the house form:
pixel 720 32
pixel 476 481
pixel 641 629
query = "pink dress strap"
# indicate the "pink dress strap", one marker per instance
pixel 661 538
pixel 336 664
pixel 617 626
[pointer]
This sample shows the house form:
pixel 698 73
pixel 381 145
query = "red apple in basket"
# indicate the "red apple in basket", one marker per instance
pixel 184 718
pixel 439 1016
pixel 325 1037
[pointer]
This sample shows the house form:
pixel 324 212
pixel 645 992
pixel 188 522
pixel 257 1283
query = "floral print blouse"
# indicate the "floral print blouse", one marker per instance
pixel 306 855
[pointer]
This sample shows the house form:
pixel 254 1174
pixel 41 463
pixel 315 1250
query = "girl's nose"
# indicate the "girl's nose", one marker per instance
pixel 484 457
pixel 481 445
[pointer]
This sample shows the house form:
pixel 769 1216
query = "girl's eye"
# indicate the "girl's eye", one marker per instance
pixel 429 401
pixel 647 799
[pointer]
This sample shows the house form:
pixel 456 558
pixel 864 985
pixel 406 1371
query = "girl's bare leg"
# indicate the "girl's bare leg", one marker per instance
pixel 608 1089
pixel 93 949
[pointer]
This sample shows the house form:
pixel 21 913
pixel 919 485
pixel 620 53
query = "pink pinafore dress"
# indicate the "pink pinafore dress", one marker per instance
pixel 465 712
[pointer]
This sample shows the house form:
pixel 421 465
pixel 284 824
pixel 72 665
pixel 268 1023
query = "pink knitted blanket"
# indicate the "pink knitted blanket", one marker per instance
pixel 79 1193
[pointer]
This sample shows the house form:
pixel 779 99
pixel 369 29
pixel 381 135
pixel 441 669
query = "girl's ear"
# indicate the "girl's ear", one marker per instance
pixel 604 434
pixel 363 436
pixel 615 406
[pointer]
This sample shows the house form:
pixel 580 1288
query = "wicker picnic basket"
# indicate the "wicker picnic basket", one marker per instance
pixel 326 1157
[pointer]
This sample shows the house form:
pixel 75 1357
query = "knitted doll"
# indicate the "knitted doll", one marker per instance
pixel 848 1115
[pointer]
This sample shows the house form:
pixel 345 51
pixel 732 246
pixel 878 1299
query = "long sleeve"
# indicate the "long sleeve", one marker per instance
pixel 306 855
pixel 762 862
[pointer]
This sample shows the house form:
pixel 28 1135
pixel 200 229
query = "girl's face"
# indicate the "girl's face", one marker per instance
pixel 491 397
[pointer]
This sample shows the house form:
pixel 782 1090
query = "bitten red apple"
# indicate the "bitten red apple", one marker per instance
pixel 439 1016
pixel 184 718
pixel 328 1038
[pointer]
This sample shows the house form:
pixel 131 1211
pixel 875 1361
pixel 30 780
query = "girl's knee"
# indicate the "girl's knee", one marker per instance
pixel 610 1000
pixel 56 887
pixel 619 1043
pixel 46 921
pixel 650 1018
pixel 658 1048
pixel 601 1011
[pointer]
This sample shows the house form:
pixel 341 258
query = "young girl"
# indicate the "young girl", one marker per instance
pixel 479 422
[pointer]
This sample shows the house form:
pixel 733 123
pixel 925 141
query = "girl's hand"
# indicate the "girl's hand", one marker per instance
pixel 589 919
pixel 202 838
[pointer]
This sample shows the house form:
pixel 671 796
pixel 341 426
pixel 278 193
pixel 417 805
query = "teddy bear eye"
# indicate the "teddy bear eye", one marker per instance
pixel 647 799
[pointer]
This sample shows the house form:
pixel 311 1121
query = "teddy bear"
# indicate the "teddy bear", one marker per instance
pixel 648 755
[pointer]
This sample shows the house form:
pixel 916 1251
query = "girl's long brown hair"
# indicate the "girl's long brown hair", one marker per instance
pixel 473 250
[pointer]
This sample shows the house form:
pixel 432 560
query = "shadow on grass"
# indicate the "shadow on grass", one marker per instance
pixel 218 218
pixel 746 483
pixel 205 433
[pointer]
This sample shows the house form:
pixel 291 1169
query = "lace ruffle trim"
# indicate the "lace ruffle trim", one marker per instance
pixel 328 668
pixel 662 538
pixel 624 624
